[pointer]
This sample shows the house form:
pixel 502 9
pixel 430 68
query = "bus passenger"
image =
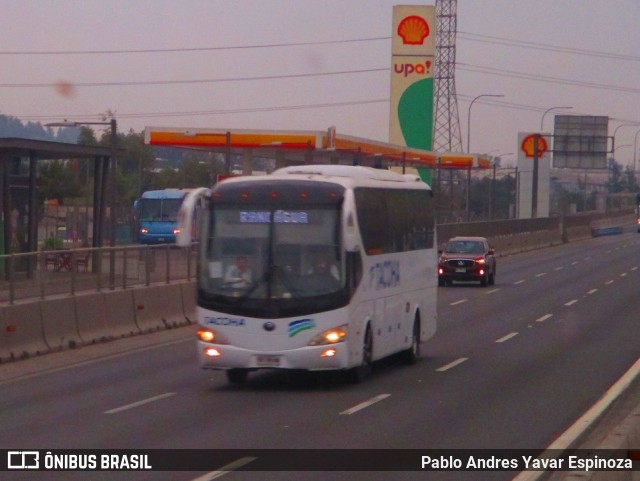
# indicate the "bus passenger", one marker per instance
pixel 324 276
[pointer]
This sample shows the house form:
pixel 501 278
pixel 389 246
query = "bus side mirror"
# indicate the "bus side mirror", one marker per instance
pixel 351 243
pixel 186 216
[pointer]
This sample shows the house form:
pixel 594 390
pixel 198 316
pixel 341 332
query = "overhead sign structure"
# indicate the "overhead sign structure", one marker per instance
pixel 580 142
pixel 412 67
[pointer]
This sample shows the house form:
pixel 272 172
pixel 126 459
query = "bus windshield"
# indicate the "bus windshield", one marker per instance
pixel 285 253
pixel 159 210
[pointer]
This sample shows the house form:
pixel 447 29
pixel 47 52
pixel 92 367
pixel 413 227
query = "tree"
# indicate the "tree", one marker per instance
pixel 58 181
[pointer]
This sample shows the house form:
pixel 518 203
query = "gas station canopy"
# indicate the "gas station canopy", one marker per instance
pixel 311 147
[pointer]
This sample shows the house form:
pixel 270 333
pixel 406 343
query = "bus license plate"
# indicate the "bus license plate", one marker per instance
pixel 268 361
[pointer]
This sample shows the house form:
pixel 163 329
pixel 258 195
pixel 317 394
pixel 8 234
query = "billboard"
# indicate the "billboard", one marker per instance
pixel 580 142
pixel 412 67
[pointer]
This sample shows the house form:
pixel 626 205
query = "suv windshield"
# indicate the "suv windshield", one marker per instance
pixel 465 247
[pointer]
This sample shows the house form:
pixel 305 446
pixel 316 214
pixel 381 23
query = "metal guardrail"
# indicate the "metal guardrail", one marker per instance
pixel 41 275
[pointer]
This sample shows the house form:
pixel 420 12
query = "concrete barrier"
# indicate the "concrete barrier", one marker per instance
pixel 189 301
pixel 159 307
pixel 105 316
pixel 121 313
pixel 22 331
pixel 60 324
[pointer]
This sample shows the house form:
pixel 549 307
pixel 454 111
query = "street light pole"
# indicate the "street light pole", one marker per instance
pixel 113 140
pixel 469 148
pixel 613 147
pixel 469 117
pixel 546 112
pixel 635 150
pixel 106 168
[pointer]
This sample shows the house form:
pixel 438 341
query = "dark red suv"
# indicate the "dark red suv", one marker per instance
pixel 467 259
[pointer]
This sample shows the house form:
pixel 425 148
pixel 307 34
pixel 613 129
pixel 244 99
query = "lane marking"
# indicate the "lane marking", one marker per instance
pixel 452 364
pixel 140 403
pixel 365 404
pixel 571 302
pixel 634 268
pixel 226 469
pixel 541 274
pixel 623 274
pixel 544 318
pixel 507 337
pixel 492 291
pixel 592 291
pixel 461 301
pixel 583 423
pixel 518 282
pixel 574 263
pixel 608 282
pixel 559 268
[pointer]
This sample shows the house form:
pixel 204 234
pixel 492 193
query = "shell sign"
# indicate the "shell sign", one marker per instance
pixel 412 65
pixel 413 30
pixel 528 145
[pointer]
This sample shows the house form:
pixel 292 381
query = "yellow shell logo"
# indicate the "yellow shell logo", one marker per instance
pixel 413 30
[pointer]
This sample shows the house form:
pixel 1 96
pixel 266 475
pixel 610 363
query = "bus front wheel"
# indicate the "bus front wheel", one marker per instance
pixel 363 371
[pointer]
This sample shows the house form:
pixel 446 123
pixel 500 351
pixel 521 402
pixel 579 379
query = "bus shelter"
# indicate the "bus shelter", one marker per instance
pixel 19 189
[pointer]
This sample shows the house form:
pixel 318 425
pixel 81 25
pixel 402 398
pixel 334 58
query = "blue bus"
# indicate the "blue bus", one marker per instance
pixel 156 214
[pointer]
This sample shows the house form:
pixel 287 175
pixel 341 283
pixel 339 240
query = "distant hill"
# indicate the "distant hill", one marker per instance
pixel 14 127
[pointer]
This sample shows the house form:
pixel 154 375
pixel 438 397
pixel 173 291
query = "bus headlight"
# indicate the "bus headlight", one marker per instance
pixel 206 335
pixel 209 335
pixel 330 336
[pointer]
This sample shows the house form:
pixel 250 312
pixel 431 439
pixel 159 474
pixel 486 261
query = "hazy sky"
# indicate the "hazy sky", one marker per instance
pixel 310 64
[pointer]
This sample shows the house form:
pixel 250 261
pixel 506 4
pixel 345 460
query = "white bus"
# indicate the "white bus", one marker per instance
pixel 261 302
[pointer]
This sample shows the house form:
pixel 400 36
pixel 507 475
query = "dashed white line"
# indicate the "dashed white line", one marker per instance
pixel 609 282
pixel 623 274
pixel 492 291
pixel 140 403
pixel 225 469
pixel 592 291
pixel 452 364
pixel 574 263
pixel 518 282
pixel 461 301
pixel 571 302
pixel 507 337
pixel 634 268
pixel 365 404
pixel 544 318
pixel 559 268
pixel 540 274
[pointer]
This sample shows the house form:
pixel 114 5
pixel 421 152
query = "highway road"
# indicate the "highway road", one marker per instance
pixel 512 366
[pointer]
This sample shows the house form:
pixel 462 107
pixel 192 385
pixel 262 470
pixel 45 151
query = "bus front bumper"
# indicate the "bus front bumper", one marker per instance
pixel 312 358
